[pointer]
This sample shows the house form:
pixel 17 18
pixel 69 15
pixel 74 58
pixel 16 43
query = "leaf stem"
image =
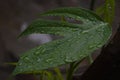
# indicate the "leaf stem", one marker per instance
pixel 90 59
pixel 42 75
pixel 72 69
pixel 59 74
pixel 92 4
pixel 63 19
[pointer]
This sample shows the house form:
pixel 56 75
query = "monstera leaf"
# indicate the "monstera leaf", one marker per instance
pixel 79 40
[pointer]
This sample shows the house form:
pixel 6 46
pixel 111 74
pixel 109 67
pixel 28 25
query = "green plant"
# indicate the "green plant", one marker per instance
pixel 78 42
pixel 107 11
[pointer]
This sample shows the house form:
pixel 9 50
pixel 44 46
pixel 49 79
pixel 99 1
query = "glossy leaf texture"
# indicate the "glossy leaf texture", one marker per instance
pixel 79 40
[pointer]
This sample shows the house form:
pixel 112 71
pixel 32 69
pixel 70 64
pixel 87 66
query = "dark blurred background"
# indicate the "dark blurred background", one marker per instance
pixel 15 15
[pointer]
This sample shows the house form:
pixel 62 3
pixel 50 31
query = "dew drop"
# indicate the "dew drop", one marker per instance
pixel 99 30
pixel 62 56
pixel 87 20
pixel 74 30
pixel 68 59
pixel 81 56
pixel 43 50
pixel 38 60
pixel 26 58
pixel 28 67
pixel 20 69
pixel 20 64
pixel 40 50
pixel 98 46
pixel 84 32
pixel 36 53
pixel 48 60
pixel 69 40
pixel 108 5
pixel 42 31
pixel 91 46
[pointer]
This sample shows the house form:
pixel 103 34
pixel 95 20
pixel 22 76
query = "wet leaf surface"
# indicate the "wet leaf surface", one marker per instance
pixel 79 40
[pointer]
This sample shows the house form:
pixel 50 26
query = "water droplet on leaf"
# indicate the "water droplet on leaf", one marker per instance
pixel 39 60
pixel 98 46
pixel 36 53
pixel 43 50
pixel 42 31
pixel 91 46
pixel 86 31
pixel 26 58
pixel 48 60
pixel 68 59
pixel 20 64
pixel 21 69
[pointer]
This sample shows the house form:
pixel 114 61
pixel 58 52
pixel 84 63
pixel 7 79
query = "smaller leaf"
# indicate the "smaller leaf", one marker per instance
pixel 100 10
pixel 51 27
pixel 49 75
pixel 78 42
pixel 75 13
pixel 59 74
pixel 107 10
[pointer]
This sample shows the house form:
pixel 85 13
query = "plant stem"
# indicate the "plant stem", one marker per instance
pixel 63 19
pixel 72 69
pixel 49 75
pixel 42 75
pixel 92 4
pixel 59 75
pixel 90 59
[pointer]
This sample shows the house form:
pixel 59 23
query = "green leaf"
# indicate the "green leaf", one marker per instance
pixel 58 74
pixel 107 10
pixel 51 27
pixel 79 40
pixel 76 13
pixel 49 75
pixel 100 10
